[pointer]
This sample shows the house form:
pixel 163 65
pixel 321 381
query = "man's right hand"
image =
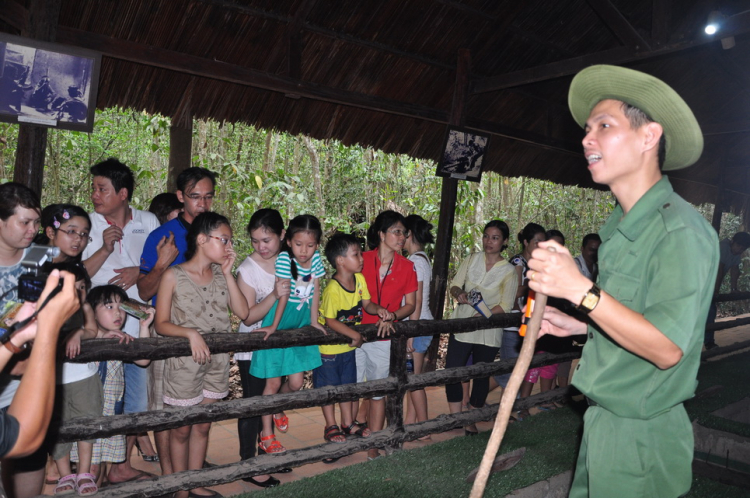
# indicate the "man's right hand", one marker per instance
pixel 110 236
pixel 166 250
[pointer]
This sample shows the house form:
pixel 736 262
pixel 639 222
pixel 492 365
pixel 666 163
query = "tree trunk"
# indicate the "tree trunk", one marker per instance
pixel 269 156
pixel 315 166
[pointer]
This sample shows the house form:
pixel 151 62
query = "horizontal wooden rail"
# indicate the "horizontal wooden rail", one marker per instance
pixel 98 427
pixel 732 296
pixel 728 324
pixel 268 464
pixel 169 347
pixel 724 350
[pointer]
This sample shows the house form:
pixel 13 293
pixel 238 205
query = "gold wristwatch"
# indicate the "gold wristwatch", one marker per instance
pixel 590 300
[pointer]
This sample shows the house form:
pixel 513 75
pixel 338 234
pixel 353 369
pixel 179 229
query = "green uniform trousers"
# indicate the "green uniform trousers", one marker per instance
pixel 627 457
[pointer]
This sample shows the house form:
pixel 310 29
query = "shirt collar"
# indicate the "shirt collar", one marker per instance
pixel 631 225
pixel 183 222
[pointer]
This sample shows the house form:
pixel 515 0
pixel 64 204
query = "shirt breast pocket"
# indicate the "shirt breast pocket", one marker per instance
pixel 624 288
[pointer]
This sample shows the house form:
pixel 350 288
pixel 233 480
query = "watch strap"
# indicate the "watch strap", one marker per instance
pixel 15 349
pixel 590 300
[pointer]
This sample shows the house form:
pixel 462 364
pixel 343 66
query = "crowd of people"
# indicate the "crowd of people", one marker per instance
pixel 179 257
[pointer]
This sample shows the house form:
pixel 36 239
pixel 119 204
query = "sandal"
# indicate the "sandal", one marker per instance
pixel 281 423
pixel 272 448
pixel 357 429
pixel 86 488
pixel 333 434
pixel 69 483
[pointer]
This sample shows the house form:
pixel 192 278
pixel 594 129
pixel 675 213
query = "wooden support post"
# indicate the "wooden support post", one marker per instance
pixel 448 196
pixel 180 152
pixel 719 204
pixel 32 140
pixel 394 405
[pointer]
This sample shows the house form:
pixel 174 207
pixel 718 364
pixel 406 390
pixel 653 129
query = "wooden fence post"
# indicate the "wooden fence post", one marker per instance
pixel 394 405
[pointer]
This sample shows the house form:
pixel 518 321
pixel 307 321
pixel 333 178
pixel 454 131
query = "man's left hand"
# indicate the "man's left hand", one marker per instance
pixel 126 277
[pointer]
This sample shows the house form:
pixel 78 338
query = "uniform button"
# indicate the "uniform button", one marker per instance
pixel 205 288
pixel 591 335
pixel 213 330
pixel 206 302
pixel 211 315
pixel 222 293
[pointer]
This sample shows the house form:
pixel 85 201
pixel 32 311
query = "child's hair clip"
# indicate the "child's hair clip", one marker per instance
pixel 65 214
pixel 55 223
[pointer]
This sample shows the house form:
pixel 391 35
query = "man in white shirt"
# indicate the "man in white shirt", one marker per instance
pixel 118 234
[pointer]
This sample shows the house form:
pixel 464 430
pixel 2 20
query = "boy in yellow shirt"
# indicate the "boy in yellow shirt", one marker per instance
pixel 341 307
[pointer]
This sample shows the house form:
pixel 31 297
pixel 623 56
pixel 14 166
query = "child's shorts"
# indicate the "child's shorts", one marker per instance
pixel 83 398
pixel 545 372
pixel 186 382
pixel 373 362
pixel 421 343
pixel 336 370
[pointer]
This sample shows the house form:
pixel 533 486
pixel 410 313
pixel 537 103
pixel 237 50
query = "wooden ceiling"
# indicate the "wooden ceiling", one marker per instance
pixel 382 73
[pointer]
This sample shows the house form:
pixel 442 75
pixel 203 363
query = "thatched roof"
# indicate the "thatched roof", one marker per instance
pixel 381 73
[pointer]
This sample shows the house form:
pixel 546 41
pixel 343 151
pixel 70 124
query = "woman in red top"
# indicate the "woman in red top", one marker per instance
pixel 392 283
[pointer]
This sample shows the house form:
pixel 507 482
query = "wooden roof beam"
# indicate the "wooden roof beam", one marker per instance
pixel 735 25
pixel 251 11
pixel 617 23
pixel 660 17
pixel 206 68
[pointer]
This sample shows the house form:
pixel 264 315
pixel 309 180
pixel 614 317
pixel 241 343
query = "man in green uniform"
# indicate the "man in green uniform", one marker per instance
pixel 657 263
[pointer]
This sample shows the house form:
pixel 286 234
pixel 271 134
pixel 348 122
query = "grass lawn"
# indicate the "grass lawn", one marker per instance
pixel 551 440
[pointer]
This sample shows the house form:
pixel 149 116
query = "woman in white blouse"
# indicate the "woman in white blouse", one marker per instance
pixel 490 274
pixel 256 279
pixel 420 234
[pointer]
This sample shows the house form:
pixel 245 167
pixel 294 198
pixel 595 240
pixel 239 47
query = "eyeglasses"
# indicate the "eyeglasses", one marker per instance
pixel 398 232
pixel 223 240
pixel 73 233
pixel 198 197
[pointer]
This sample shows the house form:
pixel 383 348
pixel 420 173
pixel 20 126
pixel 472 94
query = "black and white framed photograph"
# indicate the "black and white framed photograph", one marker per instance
pixel 463 154
pixel 47 84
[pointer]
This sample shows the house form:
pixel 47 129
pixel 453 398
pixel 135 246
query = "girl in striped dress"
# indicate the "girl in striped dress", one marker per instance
pixel 299 263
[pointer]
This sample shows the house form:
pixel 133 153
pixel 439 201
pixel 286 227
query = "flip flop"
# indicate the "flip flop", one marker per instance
pixel 142 475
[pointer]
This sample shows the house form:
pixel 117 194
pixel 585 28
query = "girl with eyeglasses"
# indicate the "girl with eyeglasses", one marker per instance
pixel 194 299
pixel 66 227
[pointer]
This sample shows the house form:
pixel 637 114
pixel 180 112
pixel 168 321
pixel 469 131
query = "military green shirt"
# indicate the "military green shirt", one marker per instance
pixel 660 260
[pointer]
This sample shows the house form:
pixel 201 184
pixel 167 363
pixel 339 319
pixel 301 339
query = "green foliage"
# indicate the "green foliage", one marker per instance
pixel 263 168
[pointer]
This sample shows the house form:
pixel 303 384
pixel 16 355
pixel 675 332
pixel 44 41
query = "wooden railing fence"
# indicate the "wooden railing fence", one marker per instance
pixel 394 387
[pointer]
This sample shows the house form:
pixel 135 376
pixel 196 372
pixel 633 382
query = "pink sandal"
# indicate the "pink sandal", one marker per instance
pixel 68 482
pixel 86 488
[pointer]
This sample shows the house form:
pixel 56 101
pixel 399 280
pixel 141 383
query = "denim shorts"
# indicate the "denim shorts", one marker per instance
pixel 336 370
pixel 421 343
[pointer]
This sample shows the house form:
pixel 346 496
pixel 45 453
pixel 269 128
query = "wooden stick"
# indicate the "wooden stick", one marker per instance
pixel 509 397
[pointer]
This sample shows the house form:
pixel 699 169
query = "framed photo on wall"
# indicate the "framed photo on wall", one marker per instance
pixel 463 154
pixel 47 84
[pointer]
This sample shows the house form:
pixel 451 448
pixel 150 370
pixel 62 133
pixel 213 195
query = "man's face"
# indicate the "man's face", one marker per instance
pixel 590 251
pixel 197 198
pixel 104 197
pixel 737 249
pixel 20 228
pixel 611 147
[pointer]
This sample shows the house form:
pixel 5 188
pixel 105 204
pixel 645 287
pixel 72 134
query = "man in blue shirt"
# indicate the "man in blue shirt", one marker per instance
pixel 164 247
